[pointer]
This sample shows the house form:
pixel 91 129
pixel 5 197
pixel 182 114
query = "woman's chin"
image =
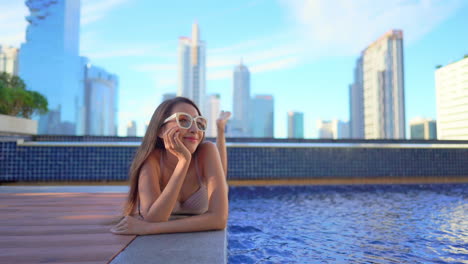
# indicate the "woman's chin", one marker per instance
pixel 191 147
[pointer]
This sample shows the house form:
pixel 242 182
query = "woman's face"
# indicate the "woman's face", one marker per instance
pixel 190 137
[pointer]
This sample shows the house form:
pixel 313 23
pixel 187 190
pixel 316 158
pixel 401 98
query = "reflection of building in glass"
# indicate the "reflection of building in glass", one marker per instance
pixel 241 101
pixel 100 101
pixel 54 125
pixel 383 87
pixel 131 129
pixel 452 100
pixel 295 125
pixel 212 109
pixel 262 116
pixel 49 61
pixel 168 96
pixel 192 67
pixel 334 129
pixel 9 60
pixel 356 103
pixel 422 128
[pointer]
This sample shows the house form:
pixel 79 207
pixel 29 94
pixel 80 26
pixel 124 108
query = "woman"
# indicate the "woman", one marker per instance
pixel 175 172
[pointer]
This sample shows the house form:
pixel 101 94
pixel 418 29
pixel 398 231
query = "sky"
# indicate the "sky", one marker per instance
pixel 303 52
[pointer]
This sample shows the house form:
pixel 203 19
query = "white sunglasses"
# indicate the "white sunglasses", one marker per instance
pixel 185 121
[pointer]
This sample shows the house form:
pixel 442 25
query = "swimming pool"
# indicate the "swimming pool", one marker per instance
pixel 349 224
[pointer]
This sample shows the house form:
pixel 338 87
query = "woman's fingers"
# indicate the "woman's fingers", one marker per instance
pixel 172 135
pixel 121 227
pixel 168 141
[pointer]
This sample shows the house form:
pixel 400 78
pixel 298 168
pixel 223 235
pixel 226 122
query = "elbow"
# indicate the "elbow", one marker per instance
pixel 220 221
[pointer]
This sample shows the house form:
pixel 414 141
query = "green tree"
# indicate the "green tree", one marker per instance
pixel 15 100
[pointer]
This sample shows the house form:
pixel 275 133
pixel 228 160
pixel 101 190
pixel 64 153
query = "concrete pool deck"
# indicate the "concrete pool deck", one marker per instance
pixel 70 224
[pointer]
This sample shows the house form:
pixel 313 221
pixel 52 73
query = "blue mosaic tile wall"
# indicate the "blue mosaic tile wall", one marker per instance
pixel 31 163
pixel 52 163
pixel 283 163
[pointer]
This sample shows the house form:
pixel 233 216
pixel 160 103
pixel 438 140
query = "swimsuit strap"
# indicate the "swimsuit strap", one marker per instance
pixel 161 166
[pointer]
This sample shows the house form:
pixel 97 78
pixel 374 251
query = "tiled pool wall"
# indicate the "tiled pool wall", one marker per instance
pixel 65 158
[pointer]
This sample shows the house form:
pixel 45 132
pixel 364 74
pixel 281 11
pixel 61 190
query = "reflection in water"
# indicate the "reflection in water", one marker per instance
pixel 348 224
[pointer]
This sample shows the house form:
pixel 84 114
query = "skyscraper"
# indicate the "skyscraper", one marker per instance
pixel 192 67
pixel 262 119
pixel 9 60
pixel 383 88
pixel 50 62
pixel 334 129
pixel 168 96
pixel 356 103
pixel 212 109
pixel 295 124
pixel 241 101
pixel 452 100
pixel 131 129
pixel 422 128
pixel 101 103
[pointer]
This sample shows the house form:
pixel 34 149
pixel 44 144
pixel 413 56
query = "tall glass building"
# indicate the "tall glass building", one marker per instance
pixel 211 111
pixel 101 90
pixel 295 125
pixel 168 96
pixel 192 67
pixel 452 100
pixel 49 62
pixel 241 101
pixel 262 118
pixel 332 129
pixel 422 128
pixel 131 129
pixel 383 88
pixel 356 103
pixel 9 60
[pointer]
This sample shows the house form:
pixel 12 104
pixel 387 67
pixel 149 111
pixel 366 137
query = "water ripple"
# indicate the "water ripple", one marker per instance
pixel 349 224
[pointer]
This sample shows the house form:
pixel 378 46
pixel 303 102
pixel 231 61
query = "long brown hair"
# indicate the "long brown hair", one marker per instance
pixel 151 141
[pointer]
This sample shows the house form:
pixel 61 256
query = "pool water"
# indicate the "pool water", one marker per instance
pixel 349 224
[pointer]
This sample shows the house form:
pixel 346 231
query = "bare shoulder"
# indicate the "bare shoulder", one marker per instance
pixel 207 149
pixel 151 164
pixel 209 159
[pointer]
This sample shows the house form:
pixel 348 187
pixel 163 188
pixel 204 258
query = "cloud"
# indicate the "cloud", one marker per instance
pixel 152 67
pixel 274 64
pixel 279 64
pixel 252 55
pixel 217 74
pixel 94 10
pixel 12 23
pixel 267 53
pixel 166 83
pixel 116 53
pixel 220 61
pixel 344 27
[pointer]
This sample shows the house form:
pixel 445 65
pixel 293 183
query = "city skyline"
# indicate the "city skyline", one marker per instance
pixel 192 67
pixel 294 51
pixel 241 102
pixel 49 63
pixel 452 100
pixel 379 88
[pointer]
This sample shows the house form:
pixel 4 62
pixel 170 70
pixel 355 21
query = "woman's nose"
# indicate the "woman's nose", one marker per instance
pixel 193 128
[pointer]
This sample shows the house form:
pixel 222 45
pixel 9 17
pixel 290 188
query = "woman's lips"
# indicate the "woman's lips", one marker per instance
pixel 191 139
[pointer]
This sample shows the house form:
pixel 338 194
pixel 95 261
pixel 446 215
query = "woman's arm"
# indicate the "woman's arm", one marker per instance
pixel 221 138
pixel 157 206
pixel 214 219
